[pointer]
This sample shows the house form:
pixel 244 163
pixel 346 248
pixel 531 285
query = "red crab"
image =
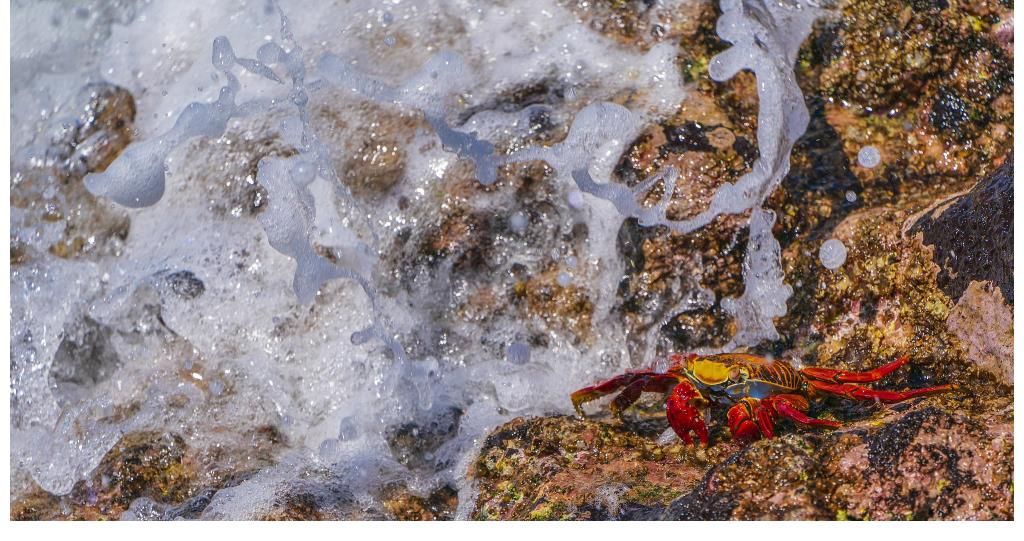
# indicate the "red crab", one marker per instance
pixel 759 391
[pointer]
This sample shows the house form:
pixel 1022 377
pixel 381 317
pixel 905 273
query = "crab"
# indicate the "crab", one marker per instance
pixel 758 391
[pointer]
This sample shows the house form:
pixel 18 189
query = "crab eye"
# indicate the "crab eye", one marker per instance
pixel 737 373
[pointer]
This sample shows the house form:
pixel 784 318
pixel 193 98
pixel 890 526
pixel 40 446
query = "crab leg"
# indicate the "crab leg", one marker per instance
pixel 793 407
pixel 858 392
pixel 633 383
pixel 842 376
pixel 683 414
pixel 751 418
pixel 740 419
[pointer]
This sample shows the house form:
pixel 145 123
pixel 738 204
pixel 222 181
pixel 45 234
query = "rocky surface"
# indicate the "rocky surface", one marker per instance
pixel 929 240
pixel 923 460
pixel 928 274
pixel 51 209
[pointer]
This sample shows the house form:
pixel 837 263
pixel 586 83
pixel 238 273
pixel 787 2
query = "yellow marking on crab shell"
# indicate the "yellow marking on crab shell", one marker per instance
pixel 709 372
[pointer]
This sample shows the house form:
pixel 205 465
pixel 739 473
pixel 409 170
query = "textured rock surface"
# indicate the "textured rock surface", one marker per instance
pixel 973 235
pixel 928 274
pixel 927 284
pixel 984 324
pixel 915 461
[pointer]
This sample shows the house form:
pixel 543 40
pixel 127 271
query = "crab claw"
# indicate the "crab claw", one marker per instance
pixel 742 420
pixel 683 415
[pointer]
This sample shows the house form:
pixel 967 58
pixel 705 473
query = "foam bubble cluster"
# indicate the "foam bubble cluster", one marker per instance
pixel 253 351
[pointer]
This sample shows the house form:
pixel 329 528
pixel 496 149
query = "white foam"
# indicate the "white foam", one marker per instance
pixel 313 369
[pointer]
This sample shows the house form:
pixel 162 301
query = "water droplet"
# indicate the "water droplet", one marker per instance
pixel 869 157
pixel 518 222
pixel 576 199
pixel 832 254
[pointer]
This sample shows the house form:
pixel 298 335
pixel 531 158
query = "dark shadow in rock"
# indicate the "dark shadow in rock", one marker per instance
pixel 885 449
pixel 973 237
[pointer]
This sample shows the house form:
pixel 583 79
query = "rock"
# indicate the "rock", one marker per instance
pixel 917 461
pixel 47 190
pixel 141 464
pixel 155 476
pixel 85 356
pixel 640 24
pixel 973 235
pixel 228 173
pixel 984 324
pixel 923 464
pixel 185 284
pixel 557 468
pixel 438 505
pixel 102 128
pixel 413 444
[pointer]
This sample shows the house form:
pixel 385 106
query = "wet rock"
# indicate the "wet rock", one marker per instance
pixel 228 171
pixel 141 464
pixel 560 303
pixel 438 505
pixel 983 322
pixel 185 284
pixel 371 142
pixel 412 444
pixel 928 464
pixel 320 495
pixel 639 24
pixel 85 355
pixel 919 461
pixel 559 468
pixel 924 464
pixel 930 88
pixel 375 167
pixel 155 476
pixel 101 130
pixel 973 235
pixel 315 497
pixel 949 111
pixel 51 209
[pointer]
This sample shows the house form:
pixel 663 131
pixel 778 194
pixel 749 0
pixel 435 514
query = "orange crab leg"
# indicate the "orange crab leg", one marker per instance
pixel 633 383
pixel 857 392
pixel 842 376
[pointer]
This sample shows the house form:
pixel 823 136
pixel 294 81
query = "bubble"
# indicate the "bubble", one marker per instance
pixel 851 197
pixel 832 254
pixel 518 353
pixel 518 222
pixel 359 338
pixel 869 157
pixel 564 279
pixel 576 199
pixel 348 429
